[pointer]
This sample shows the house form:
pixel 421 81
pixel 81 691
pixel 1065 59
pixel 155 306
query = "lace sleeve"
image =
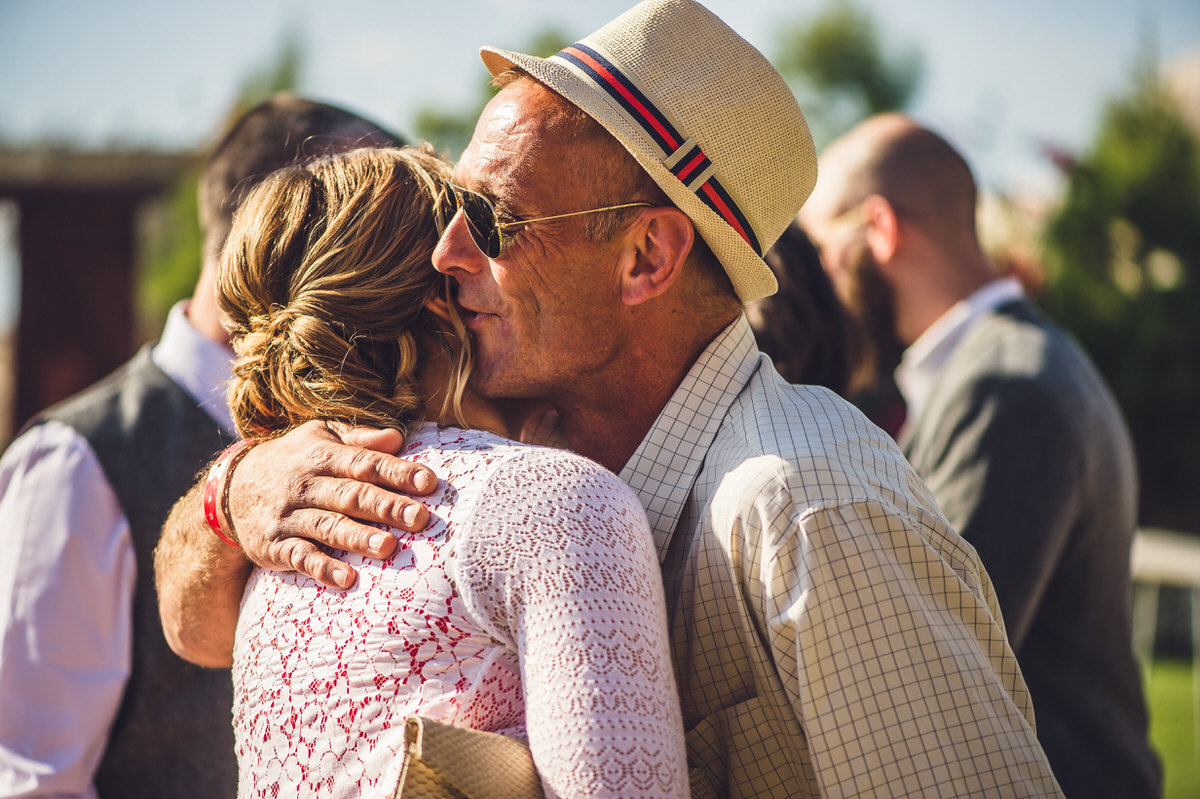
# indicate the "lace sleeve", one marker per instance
pixel 557 562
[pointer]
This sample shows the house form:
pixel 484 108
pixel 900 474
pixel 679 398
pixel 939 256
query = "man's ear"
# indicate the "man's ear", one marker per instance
pixel 883 228
pixel 660 242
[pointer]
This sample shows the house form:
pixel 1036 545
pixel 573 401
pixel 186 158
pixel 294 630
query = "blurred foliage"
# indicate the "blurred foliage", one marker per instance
pixel 172 242
pixel 842 72
pixel 1123 275
pixel 450 130
pixel 169 261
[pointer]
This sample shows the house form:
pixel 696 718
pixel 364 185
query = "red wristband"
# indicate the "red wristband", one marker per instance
pixel 216 489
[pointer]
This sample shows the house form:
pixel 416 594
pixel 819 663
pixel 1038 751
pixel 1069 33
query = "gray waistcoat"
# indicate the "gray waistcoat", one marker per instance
pixel 173 735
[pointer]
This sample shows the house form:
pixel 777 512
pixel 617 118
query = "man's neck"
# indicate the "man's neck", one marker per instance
pixel 610 434
pixel 608 423
pixel 202 310
pixel 938 285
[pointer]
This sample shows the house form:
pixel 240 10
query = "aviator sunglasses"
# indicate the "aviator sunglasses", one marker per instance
pixel 485 227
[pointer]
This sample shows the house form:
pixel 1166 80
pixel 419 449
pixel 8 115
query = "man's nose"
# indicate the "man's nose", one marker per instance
pixel 456 250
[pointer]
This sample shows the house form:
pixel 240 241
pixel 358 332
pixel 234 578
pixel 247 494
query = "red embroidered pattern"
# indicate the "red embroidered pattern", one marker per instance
pixel 323 680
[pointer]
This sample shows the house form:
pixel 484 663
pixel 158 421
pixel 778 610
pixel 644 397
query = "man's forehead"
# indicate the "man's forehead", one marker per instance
pixel 512 138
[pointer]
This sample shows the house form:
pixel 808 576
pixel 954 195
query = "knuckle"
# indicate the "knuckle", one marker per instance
pixel 351 495
pixel 297 489
pixel 316 565
pixel 296 552
pixel 409 511
pixel 364 464
pixel 325 526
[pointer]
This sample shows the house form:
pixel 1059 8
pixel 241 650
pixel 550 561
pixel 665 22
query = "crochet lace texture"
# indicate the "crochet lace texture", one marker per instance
pixel 537 570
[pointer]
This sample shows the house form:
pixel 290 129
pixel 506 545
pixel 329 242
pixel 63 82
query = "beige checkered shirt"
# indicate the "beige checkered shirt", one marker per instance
pixel 833 635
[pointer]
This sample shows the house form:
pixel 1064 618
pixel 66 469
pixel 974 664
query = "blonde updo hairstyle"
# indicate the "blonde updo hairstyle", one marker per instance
pixel 322 286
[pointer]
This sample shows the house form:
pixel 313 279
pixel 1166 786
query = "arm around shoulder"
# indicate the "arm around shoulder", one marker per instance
pixel 200 582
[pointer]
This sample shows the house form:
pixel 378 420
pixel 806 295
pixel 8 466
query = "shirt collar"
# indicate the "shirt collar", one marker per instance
pixel 203 367
pixel 666 463
pixel 924 360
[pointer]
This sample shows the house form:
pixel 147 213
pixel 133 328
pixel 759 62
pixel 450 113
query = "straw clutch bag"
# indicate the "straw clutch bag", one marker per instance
pixel 442 761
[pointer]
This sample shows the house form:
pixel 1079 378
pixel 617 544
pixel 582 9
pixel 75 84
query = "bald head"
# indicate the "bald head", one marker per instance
pixel 894 209
pixel 924 178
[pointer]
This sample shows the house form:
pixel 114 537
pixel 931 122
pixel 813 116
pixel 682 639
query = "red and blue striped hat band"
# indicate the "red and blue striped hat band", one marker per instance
pixel 681 155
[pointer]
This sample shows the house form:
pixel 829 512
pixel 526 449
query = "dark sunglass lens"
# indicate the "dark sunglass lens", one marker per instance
pixel 481 221
pixel 445 208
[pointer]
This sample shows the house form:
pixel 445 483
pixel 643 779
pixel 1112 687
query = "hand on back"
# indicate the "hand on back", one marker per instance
pixel 326 484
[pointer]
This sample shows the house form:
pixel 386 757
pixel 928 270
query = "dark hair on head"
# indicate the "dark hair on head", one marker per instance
pixel 803 327
pixel 278 132
pixel 322 286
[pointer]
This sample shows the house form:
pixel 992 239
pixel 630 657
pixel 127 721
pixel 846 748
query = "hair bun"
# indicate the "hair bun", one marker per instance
pixel 322 286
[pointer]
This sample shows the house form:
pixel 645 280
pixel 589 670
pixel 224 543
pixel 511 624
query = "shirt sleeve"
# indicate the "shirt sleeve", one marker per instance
pixel 887 636
pixel 557 562
pixel 66 594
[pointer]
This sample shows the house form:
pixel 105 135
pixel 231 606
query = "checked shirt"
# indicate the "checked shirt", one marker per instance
pixel 832 635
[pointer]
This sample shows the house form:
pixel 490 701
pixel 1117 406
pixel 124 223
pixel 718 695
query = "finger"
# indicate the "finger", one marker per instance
pixel 305 557
pixel 388 440
pixel 336 531
pixel 377 468
pixel 363 501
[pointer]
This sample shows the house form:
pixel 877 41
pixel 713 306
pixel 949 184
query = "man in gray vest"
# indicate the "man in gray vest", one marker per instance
pixel 94 702
pixel 1012 429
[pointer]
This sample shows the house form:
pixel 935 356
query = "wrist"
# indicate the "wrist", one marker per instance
pixel 216 489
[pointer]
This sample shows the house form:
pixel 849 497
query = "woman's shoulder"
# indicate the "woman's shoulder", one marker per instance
pixel 494 457
pixel 441 447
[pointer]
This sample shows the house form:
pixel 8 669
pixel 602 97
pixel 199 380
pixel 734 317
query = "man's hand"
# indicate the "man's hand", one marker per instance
pixel 285 494
pixel 325 484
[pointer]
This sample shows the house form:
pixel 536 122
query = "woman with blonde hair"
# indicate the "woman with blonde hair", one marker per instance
pixel 532 603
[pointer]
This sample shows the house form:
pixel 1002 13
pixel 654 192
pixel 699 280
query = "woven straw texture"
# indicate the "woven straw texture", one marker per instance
pixel 719 92
pixel 442 761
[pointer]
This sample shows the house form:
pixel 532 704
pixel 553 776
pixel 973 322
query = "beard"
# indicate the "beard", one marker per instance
pixel 870 299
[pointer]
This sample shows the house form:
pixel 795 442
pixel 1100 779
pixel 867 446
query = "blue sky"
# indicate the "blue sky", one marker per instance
pixel 1000 75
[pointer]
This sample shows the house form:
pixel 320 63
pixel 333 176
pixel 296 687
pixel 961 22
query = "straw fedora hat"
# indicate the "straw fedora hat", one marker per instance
pixel 704 113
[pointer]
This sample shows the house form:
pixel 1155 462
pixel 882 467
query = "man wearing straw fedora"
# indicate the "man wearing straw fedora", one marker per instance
pixel 832 634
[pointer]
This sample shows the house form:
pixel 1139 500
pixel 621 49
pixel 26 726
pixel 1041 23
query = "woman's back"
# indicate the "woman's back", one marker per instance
pixel 537 565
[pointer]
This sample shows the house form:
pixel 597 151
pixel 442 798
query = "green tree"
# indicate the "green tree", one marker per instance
pixel 841 70
pixel 1123 274
pixel 451 130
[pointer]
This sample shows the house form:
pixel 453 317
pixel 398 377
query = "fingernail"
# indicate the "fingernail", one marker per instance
pixel 377 541
pixel 409 514
pixel 340 575
pixel 424 481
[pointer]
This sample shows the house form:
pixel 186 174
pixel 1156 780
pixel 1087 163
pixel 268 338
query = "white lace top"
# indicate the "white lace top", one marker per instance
pixel 537 570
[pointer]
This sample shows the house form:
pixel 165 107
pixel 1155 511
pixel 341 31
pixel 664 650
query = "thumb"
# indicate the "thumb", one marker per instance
pixel 388 440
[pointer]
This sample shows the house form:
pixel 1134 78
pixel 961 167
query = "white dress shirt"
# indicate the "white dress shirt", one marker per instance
pixel 67 583
pixel 924 359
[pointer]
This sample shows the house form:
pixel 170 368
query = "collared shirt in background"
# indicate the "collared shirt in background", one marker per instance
pixel 925 357
pixel 67 583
